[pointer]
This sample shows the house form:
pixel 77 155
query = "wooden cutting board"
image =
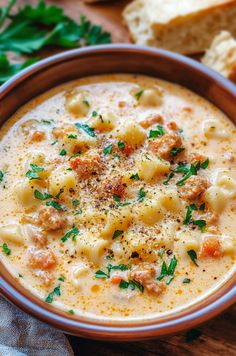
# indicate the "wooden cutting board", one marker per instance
pixel 217 337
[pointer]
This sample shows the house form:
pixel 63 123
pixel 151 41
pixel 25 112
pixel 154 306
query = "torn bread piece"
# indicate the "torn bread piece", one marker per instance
pixel 184 26
pixel 221 56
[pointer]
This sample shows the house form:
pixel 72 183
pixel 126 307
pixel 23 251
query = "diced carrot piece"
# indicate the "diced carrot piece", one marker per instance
pixel 211 247
pixel 115 279
pixel 37 136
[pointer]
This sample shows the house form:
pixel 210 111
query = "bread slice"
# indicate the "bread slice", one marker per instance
pixel 221 55
pixel 185 26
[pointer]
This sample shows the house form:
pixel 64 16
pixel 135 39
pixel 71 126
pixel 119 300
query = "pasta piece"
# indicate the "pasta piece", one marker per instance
pixel 215 198
pixel 13 233
pixel 132 133
pixel 25 193
pixel 91 246
pixel 78 103
pixel 227 183
pixel 170 200
pixel 151 166
pixel 118 220
pixel 61 179
pixel 78 273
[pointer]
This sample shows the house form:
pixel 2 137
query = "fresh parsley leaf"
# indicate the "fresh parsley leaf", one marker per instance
pixel 133 284
pixel 94 114
pixel 120 267
pixel 121 144
pixel 55 205
pixel 1 176
pixel 188 217
pixel 33 173
pixel 164 271
pixel 53 143
pixel 70 234
pixel 72 136
pixel 108 150
pixel 63 152
pixel 61 278
pixel 116 234
pixel 139 94
pixel 59 193
pixel 47 122
pixel 71 311
pixel 170 175
pixel 157 133
pixel 168 270
pixel 200 223
pixel 119 203
pixel 86 103
pixel 186 280
pixel 101 274
pixel 89 130
pixel 135 177
pixel 202 207
pixel 123 284
pixel 172 266
pixel 141 195
pixel 6 249
pixel 56 291
pixel 192 254
pixel 192 170
pixel 176 151
pixel 41 196
pixel 205 164
pixel 169 280
pixel 20 275
pixel 75 202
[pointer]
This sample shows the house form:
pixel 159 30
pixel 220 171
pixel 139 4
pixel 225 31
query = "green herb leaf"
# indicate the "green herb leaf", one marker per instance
pixel 133 284
pixel 6 249
pixel 55 205
pixel 176 151
pixel 121 144
pixel 186 280
pixel 1 176
pixel 170 175
pixel 123 284
pixel 41 196
pixel 71 233
pixel 139 94
pixel 205 164
pixel 56 291
pixel 188 217
pixel 63 152
pixel 108 150
pixel 201 224
pixel 192 254
pixel 59 193
pixel 86 103
pixel 33 173
pixel 192 170
pixel 202 207
pixel 116 234
pixel 135 177
pixel 72 136
pixel 61 278
pixel 172 266
pixel 119 203
pixel 157 133
pixel 141 195
pixel 101 274
pixel 94 114
pixel 71 311
pixel 86 128
pixel 168 271
pixel 75 202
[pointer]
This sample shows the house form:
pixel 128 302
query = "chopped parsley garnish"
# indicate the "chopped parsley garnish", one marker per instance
pixel 6 249
pixel 1 176
pixel 94 114
pixel 161 252
pixel 108 150
pixel 75 202
pixel 205 164
pixel 105 275
pixel 117 233
pixel 59 193
pixel 134 177
pixel 192 254
pixel 190 170
pixel 70 234
pixel 47 122
pixel 86 103
pixel 63 152
pixel 141 195
pixel 61 278
pixel 20 275
pixel 119 203
pixel 166 181
pixel 55 205
pixel 176 151
pixel 133 284
pixel 186 280
pixel 121 144
pixel 202 207
pixel 72 136
pixel 139 94
pixel 168 270
pixel 71 311
pixel 41 196
pixel 188 219
pixel 53 143
pixel 56 291
pixel 157 133
pixel 89 130
pixel 33 173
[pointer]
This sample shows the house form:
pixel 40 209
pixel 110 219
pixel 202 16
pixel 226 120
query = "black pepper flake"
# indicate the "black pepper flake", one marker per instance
pixel 169 252
pixel 134 254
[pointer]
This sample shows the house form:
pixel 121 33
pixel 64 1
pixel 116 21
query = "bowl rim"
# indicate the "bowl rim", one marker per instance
pixel 103 331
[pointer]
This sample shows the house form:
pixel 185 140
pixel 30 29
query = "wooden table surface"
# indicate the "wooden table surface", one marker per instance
pixel 218 336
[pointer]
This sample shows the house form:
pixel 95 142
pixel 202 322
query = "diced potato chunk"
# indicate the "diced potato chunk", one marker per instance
pixel 228 245
pixel 91 246
pixel 151 97
pixel 104 121
pixel 25 193
pixel 78 103
pixel 80 142
pixel 119 220
pixel 213 129
pixel 150 212
pixel 151 166
pixel 12 233
pixel 132 133
pixel 215 198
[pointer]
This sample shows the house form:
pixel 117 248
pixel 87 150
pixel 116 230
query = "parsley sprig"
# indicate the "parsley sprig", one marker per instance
pixel 168 271
pixel 70 234
pixel 33 173
pixel 105 275
pixel 56 291
pixel 188 219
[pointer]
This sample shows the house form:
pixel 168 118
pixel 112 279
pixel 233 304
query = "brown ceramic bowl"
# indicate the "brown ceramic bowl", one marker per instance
pixel 117 59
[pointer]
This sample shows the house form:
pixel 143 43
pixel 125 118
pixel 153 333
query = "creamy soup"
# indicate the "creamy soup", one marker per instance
pixel 118 197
